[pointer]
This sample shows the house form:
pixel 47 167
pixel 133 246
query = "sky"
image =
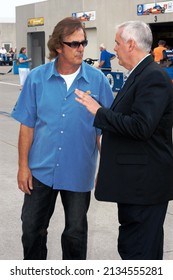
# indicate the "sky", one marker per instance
pixel 8 9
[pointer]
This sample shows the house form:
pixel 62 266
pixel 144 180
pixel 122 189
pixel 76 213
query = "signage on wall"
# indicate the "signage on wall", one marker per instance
pixel 36 21
pixel 155 8
pixel 85 16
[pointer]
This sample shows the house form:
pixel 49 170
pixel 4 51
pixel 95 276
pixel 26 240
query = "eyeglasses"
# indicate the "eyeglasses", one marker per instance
pixel 76 44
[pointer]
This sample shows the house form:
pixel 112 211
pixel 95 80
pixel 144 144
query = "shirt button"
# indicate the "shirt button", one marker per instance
pixel 59 148
pixel 62 131
pixel 63 115
pixel 57 164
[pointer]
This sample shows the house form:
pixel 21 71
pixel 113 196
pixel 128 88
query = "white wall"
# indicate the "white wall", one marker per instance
pixel 109 13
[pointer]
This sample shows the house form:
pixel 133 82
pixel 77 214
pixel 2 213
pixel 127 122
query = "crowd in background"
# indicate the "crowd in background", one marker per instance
pixel 7 57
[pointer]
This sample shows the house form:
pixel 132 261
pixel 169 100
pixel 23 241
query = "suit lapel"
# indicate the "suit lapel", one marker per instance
pixel 122 92
pixel 131 79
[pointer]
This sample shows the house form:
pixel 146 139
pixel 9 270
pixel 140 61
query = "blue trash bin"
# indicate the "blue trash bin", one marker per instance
pixel 116 80
pixel 15 68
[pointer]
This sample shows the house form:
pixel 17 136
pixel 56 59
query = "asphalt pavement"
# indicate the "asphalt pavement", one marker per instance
pixel 102 216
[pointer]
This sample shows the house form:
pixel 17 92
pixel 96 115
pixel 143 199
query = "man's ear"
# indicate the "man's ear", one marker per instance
pixel 59 50
pixel 132 44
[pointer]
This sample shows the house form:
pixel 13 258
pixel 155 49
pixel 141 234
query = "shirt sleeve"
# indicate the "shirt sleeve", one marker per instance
pixel 106 95
pixel 24 110
pixel 112 55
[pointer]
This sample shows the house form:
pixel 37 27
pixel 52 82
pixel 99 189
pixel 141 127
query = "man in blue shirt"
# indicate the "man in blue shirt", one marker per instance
pixel 105 59
pixel 58 145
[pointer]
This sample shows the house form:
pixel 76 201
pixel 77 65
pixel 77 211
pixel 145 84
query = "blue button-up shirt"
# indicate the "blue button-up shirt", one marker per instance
pixel 64 151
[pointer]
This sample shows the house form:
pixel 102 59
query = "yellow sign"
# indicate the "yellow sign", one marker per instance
pixel 36 21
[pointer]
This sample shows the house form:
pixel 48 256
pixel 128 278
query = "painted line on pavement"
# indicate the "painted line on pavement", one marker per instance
pixel 5 114
pixel 7 143
pixel 11 84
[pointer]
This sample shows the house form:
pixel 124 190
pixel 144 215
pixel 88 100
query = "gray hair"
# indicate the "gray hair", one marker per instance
pixel 102 46
pixel 139 31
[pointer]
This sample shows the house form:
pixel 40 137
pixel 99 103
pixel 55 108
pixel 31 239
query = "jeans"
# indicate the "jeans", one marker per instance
pixel 36 213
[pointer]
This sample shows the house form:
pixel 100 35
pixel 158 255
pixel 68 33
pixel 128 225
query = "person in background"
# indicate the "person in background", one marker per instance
pixel 105 59
pixel 3 54
pixel 158 51
pixel 11 52
pixel 24 66
pixel 58 145
pixel 136 160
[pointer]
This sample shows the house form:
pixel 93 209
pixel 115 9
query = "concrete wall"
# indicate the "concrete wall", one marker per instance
pixel 8 34
pixel 102 30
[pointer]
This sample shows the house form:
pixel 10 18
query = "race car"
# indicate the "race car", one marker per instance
pixel 157 9
pixel 85 17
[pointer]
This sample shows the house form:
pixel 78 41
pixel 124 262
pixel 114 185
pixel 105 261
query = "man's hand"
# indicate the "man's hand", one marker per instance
pixel 24 178
pixel 85 99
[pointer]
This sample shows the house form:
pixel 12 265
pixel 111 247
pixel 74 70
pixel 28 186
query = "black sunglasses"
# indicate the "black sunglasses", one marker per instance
pixel 76 44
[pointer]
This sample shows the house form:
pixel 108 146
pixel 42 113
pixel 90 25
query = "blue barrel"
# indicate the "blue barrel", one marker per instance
pixel 116 80
pixel 15 68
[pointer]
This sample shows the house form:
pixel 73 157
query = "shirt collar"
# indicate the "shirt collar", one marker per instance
pixel 52 69
pixel 128 73
pixel 81 74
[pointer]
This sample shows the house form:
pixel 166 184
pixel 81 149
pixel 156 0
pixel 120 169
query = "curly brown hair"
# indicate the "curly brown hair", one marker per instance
pixel 64 28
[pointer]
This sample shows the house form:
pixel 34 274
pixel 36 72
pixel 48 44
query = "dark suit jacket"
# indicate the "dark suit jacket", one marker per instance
pixel 136 164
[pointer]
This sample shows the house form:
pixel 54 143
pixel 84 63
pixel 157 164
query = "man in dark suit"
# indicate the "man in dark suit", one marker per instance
pixel 136 165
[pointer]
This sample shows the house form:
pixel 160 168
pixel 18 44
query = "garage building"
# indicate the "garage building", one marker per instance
pixel 35 23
